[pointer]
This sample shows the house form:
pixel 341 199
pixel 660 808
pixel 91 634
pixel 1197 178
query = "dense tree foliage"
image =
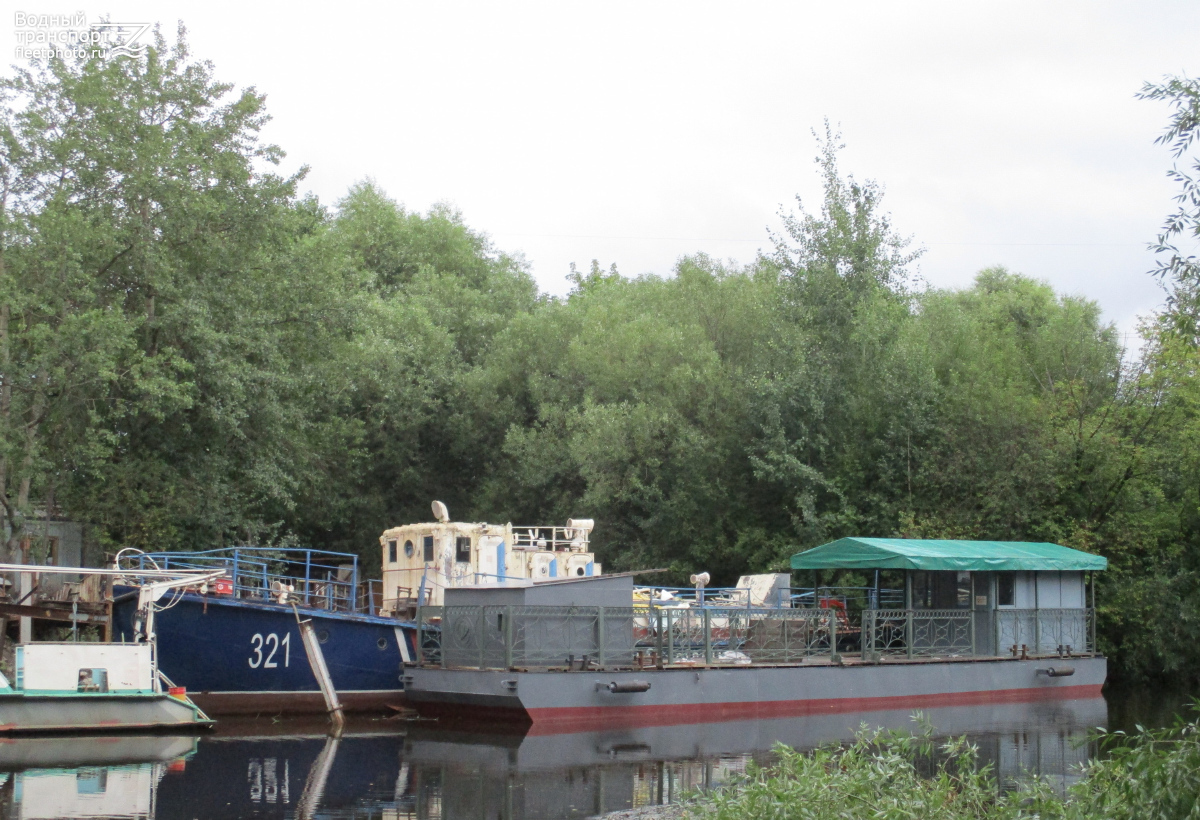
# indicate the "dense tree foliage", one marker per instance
pixel 194 354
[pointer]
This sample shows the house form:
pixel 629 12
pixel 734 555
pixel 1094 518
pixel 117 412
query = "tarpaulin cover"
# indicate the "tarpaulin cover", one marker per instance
pixel 971 556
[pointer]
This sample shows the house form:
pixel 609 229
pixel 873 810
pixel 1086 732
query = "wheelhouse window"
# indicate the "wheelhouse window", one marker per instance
pixel 428 548
pixel 462 549
pixel 408 549
pixel 392 557
pixel 93 680
pixel 1006 588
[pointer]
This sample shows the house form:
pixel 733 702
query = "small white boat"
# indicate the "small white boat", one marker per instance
pixel 87 687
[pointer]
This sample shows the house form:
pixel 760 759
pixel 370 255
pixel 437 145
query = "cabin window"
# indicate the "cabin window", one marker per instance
pixel 428 545
pixel 408 549
pixel 941 590
pixel 462 549
pixel 392 558
pixel 93 680
pixel 1006 588
pixel 922 590
pixel 963 596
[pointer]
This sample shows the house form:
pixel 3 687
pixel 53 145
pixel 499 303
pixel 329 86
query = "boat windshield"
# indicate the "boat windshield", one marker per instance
pixel 4 684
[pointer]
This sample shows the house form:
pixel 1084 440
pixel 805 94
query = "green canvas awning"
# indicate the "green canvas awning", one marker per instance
pixel 970 556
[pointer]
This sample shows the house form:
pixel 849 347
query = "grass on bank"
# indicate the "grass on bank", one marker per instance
pixel 1149 775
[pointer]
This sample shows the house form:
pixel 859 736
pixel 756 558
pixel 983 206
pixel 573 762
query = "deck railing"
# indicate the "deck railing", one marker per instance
pixel 854 598
pixel 918 633
pixel 558 539
pixel 1045 631
pixel 569 637
pixel 317 579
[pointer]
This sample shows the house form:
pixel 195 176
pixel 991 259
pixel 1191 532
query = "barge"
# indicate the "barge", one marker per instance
pixel 981 622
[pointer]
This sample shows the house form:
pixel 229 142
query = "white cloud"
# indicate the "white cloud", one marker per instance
pixel 1005 133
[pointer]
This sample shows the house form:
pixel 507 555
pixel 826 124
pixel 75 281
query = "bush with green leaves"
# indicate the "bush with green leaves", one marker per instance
pixel 889 775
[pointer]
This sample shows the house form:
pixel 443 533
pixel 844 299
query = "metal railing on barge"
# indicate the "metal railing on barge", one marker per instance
pixel 316 579
pixel 567 637
pixel 849 597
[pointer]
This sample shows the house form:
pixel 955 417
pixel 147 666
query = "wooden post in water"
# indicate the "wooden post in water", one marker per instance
pixel 316 660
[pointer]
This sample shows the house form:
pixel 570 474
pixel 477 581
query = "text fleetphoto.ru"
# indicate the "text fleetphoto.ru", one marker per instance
pixel 70 37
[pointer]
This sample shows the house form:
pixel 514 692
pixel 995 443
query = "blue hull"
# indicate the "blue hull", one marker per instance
pixel 237 656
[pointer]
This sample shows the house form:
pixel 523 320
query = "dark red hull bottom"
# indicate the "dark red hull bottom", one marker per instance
pixel 568 720
pixel 294 703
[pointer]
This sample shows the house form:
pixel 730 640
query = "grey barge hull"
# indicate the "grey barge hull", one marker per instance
pixel 559 701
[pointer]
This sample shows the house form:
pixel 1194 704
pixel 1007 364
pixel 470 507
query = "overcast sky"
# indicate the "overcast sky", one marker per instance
pixel 638 132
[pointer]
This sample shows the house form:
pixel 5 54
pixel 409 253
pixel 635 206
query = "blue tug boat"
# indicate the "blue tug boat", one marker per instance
pixel 236 644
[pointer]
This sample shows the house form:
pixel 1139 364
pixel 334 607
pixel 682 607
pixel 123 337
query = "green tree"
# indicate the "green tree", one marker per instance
pixel 154 282
pixel 826 442
pixel 1180 270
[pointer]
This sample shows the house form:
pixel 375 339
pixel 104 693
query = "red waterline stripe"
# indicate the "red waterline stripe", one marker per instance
pixel 564 719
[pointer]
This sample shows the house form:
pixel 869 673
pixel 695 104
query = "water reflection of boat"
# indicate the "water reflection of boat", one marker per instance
pixel 470 774
pixel 288 769
pixel 114 750
pixel 112 777
pixel 125 792
pixel 535 751
pixel 403 770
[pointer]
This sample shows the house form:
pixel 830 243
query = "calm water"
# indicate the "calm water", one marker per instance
pixel 395 769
